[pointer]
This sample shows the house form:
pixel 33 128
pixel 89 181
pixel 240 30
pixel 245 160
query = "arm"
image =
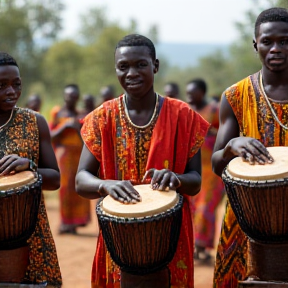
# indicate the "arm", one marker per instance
pixel 88 185
pixel 47 166
pixel 228 144
pixel 187 183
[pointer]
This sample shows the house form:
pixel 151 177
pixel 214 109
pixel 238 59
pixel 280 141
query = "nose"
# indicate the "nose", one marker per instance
pixel 10 90
pixel 276 48
pixel 132 72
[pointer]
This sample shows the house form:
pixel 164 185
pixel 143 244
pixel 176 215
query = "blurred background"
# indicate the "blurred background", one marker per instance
pixel 57 42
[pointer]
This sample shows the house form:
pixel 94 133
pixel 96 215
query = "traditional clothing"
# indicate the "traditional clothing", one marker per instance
pixel 74 210
pixel 255 120
pixel 212 188
pixel 125 151
pixel 21 136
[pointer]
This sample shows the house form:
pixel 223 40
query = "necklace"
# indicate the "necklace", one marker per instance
pixel 270 105
pixel 1 127
pixel 130 121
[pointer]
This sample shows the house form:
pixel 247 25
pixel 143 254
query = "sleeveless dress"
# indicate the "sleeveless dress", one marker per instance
pixel 21 136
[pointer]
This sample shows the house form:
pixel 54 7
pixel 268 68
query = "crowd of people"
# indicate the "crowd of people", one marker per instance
pixel 144 137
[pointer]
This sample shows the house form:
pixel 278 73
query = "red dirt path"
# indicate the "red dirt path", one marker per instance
pixel 76 252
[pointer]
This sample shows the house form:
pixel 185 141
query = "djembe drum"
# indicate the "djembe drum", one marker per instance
pixel 142 238
pixel 258 195
pixel 20 196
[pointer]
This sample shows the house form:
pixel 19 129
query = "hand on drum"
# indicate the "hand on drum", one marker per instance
pixel 162 180
pixel 13 163
pixel 121 191
pixel 250 149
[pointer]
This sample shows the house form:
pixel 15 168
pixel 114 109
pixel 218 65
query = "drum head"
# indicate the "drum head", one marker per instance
pixel 153 202
pixel 276 170
pixel 16 180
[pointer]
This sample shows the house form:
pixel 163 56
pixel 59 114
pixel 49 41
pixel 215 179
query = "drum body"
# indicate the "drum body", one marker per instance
pixel 142 245
pixel 20 196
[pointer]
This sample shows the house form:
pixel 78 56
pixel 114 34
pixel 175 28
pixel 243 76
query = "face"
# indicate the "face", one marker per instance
pixel 34 103
pixel 135 70
pixel 170 91
pixel 71 96
pixel 272 45
pixel 10 87
pixel 194 94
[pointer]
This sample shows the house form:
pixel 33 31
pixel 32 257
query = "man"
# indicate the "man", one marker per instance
pixel 107 93
pixel 212 187
pixel 253 115
pixel 171 89
pixel 137 135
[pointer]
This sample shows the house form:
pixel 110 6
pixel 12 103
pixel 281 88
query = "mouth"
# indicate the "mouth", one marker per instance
pixel 276 60
pixel 133 84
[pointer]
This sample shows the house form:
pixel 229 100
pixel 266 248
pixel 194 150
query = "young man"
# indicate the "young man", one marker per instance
pixel 136 135
pixel 253 115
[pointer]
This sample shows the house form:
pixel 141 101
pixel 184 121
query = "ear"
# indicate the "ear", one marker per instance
pixel 255 46
pixel 156 66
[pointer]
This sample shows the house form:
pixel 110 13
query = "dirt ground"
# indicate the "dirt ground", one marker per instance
pixel 76 252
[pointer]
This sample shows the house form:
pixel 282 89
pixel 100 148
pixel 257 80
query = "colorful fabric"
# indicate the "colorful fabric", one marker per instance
pixel 125 152
pixel 21 137
pixel 255 120
pixel 74 210
pixel 212 188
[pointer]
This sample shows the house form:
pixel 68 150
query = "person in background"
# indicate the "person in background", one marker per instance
pixel 34 102
pixel 107 93
pixel 212 189
pixel 253 116
pixel 25 144
pixel 171 89
pixel 65 133
pixel 125 145
pixel 88 105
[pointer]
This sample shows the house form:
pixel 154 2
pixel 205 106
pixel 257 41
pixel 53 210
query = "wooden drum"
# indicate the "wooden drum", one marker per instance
pixel 20 196
pixel 258 195
pixel 142 238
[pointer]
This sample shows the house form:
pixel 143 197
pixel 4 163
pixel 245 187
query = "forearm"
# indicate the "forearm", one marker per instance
pixel 87 185
pixel 190 183
pixel 50 178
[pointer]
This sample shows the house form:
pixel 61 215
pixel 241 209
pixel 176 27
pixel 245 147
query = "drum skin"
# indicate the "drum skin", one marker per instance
pixel 141 245
pixel 18 212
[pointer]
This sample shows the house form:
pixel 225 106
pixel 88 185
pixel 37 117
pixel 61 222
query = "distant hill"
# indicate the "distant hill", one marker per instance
pixel 184 55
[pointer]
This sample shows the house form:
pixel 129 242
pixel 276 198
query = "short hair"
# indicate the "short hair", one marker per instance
pixel 137 40
pixel 174 85
pixel 74 86
pixel 275 14
pixel 200 83
pixel 6 59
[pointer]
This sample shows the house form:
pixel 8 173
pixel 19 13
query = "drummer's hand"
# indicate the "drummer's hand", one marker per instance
pixel 162 180
pixel 13 163
pixel 121 191
pixel 250 149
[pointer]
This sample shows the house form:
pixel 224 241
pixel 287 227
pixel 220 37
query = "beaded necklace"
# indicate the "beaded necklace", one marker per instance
pixel 2 126
pixel 270 106
pixel 128 117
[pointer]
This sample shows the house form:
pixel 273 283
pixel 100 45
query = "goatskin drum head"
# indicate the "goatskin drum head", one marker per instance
pixel 276 170
pixel 16 180
pixel 153 202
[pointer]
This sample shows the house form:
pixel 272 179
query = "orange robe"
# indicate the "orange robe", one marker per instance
pixel 125 152
pixel 255 120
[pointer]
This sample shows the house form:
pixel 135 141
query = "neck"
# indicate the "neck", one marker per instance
pixel 274 78
pixel 146 102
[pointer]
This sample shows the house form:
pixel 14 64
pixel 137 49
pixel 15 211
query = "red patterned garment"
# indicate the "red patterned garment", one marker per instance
pixel 126 151
pixel 255 120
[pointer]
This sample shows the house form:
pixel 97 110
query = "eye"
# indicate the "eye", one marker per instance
pixel 122 66
pixel 17 85
pixel 142 64
pixel 266 41
pixel 284 42
pixel 3 85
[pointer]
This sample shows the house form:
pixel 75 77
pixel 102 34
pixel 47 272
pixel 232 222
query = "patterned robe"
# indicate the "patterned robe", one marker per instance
pixel 126 151
pixel 21 136
pixel 255 120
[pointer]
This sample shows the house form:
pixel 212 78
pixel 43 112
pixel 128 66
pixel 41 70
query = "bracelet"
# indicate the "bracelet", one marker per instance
pixel 32 166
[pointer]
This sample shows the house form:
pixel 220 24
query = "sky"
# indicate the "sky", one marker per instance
pixel 178 21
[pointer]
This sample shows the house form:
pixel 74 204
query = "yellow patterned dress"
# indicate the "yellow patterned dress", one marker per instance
pixel 255 120
pixel 21 136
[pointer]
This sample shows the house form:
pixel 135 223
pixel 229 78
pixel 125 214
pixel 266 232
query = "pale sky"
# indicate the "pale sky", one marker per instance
pixel 178 21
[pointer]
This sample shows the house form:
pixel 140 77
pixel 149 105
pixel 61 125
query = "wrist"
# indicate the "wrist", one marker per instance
pixel 227 152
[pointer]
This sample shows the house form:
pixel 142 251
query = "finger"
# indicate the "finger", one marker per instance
pixel 157 178
pixel 165 181
pixel 250 158
pixel 132 193
pixel 122 194
pixel 148 174
pixel 263 152
pixel 174 182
